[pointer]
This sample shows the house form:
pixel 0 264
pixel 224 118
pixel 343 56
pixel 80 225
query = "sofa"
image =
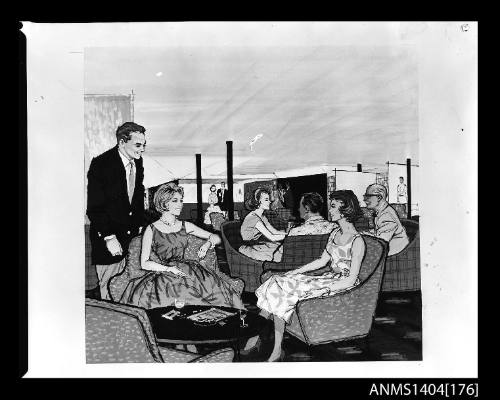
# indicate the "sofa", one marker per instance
pixel 118 333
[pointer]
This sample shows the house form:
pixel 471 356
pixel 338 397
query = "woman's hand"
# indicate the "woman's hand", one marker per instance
pixel 202 252
pixel 176 271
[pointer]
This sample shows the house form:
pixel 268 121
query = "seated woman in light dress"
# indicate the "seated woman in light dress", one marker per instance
pixel 278 296
pixel 212 207
pixel 170 275
pixel 263 239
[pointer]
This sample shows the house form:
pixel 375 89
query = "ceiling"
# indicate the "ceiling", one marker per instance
pixel 312 105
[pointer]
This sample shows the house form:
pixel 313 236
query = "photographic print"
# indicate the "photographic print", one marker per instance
pixel 251 193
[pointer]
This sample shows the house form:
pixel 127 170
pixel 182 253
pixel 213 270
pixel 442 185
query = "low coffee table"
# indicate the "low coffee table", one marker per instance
pixel 181 330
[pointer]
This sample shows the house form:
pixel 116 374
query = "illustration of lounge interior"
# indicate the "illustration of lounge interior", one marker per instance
pixel 379 319
pixel 290 121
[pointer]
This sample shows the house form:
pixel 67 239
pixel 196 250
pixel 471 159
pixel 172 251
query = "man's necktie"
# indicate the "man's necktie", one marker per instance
pixel 131 181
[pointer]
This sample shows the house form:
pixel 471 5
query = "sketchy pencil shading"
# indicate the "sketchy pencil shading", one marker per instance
pixel 251 204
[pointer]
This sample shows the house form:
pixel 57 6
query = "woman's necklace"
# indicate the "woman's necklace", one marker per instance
pixel 168 223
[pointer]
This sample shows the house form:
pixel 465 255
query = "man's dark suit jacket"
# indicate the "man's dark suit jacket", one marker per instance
pixel 222 204
pixel 108 206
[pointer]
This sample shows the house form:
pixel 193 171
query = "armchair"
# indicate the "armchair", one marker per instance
pixel 278 218
pixel 216 218
pixel 402 270
pixel 347 314
pixel 118 333
pixel 240 265
pixel 297 251
pixel 400 209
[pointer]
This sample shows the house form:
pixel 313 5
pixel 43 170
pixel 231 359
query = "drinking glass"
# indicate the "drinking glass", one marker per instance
pixel 243 314
pixel 179 303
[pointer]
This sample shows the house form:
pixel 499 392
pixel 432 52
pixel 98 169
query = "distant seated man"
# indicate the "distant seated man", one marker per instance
pixel 315 224
pixel 387 223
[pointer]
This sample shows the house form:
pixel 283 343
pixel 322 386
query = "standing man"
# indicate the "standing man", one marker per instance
pixel 222 197
pixel 387 223
pixel 402 191
pixel 115 202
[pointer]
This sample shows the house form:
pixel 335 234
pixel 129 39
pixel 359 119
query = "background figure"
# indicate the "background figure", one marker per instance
pixel 115 201
pixel 262 239
pixel 212 205
pixel 309 209
pixel 402 191
pixel 222 199
pixel 387 223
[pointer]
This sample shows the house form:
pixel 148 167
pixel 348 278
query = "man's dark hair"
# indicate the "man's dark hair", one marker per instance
pixel 123 132
pixel 313 201
pixel 350 208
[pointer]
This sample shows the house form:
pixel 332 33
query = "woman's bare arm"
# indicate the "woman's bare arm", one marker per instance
pixel 146 263
pixel 274 237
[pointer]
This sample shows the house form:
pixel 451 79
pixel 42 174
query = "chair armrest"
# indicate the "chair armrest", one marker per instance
pixel 220 356
pixel 177 356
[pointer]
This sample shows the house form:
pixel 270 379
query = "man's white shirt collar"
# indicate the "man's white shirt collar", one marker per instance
pixel 125 160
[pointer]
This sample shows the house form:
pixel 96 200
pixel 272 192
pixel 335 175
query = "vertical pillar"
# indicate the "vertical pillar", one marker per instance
pixel 230 203
pixel 408 184
pixel 199 201
pixel 360 168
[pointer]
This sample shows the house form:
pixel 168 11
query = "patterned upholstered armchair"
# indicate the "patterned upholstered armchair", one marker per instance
pixel 402 270
pixel 216 218
pixel 347 314
pixel 118 283
pixel 297 251
pixel 278 218
pixel 366 221
pixel 118 333
pixel 400 209
pixel 240 265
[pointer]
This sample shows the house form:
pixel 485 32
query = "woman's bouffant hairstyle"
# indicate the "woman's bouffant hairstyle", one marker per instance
pixel 254 202
pixel 313 201
pixel 350 207
pixel 213 186
pixel 164 194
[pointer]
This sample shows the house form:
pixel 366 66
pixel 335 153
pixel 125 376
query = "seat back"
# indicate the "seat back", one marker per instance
pixel 400 209
pixel 277 218
pixel 231 234
pixel 216 218
pixel 300 250
pixel 411 228
pixel 117 333
pixel 402 272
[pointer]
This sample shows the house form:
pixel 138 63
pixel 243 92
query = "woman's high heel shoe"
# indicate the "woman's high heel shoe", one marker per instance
pixel 281 358
pixel 254 349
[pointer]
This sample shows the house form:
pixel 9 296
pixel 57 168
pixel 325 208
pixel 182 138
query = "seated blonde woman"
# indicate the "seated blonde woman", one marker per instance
pixel 172 276
pixel 263 239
